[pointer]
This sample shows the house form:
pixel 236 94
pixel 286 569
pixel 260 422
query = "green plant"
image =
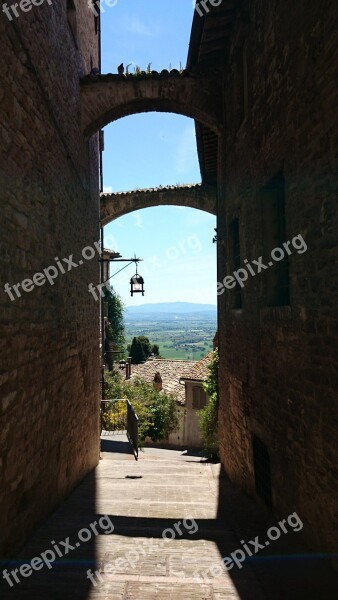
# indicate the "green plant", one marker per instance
pixel 157 412
pixel 114 417
pixel 115 329
pixel 208 416
pixel 140 349
pixel 155 349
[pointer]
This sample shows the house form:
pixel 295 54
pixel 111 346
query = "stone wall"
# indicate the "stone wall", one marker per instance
pixel 279 364
pixel 49 382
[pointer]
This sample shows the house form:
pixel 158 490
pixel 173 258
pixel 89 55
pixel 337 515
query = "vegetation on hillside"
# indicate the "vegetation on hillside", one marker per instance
pixel 182 338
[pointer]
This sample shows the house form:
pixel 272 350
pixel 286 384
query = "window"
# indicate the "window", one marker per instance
pixel 199 398
pixel 276 278
pixel 261 461
pixel 72 21
pixel 236 260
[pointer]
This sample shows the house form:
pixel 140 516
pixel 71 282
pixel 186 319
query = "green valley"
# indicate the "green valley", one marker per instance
pixel 180 335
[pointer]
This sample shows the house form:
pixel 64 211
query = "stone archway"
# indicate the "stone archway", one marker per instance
pixel 106 98
pixel 202 197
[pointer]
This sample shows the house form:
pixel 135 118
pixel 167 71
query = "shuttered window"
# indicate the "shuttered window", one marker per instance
pixel 199 398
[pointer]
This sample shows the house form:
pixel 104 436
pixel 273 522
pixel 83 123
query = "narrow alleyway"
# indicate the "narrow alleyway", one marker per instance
pixel 143 499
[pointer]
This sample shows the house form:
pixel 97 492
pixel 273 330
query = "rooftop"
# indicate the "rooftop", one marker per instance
pixel 209 42
pixel 171 372
pixel 199 371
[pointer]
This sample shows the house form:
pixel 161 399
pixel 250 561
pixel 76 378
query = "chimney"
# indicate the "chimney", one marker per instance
pixel 157 382
pixel 128 368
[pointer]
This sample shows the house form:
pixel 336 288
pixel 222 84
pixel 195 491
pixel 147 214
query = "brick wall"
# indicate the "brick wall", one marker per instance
pixel 49 425
pixel 279 366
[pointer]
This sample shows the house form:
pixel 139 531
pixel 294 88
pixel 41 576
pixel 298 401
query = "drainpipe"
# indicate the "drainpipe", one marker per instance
pixel 100 71
pixel 102 319
pixel 101 228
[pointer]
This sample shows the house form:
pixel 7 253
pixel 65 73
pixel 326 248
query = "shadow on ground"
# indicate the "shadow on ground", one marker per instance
pixel 284 570
pixel 66 575
pixel 116 446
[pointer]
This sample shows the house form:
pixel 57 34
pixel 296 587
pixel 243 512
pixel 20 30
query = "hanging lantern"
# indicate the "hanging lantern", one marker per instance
pixel 136 284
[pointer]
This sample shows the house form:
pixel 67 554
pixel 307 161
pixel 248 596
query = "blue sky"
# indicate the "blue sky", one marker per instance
pixel 152 149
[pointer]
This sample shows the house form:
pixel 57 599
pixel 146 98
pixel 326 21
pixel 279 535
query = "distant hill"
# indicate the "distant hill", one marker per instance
pixel 170 307
pixel 182 330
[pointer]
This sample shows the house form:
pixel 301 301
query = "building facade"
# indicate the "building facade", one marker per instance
pixel 274 164
pixel 49 188
pixel 168 375
pixel 195 399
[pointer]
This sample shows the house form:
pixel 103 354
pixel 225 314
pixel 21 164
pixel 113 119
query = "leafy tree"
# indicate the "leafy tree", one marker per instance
pixel 115 332
pixel 157 411
pixel 114 417
pixel 140 349
pixel 208 415
pixel 116 308
pixel 137 352
pixel 146 346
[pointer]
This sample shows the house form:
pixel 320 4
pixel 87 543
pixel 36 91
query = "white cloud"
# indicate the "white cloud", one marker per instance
pixel 136 26
pixel 108 189
pixel 138 219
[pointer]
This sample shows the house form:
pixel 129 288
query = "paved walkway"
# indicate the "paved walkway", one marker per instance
pixel 203 518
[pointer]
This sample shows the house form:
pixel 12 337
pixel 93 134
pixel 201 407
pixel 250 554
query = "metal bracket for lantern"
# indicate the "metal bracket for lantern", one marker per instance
pixel 136 279
pixel 136 286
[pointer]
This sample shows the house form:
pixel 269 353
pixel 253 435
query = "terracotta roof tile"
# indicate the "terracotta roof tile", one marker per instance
pixel 199 371
pixel 161 188
pixel 171 372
